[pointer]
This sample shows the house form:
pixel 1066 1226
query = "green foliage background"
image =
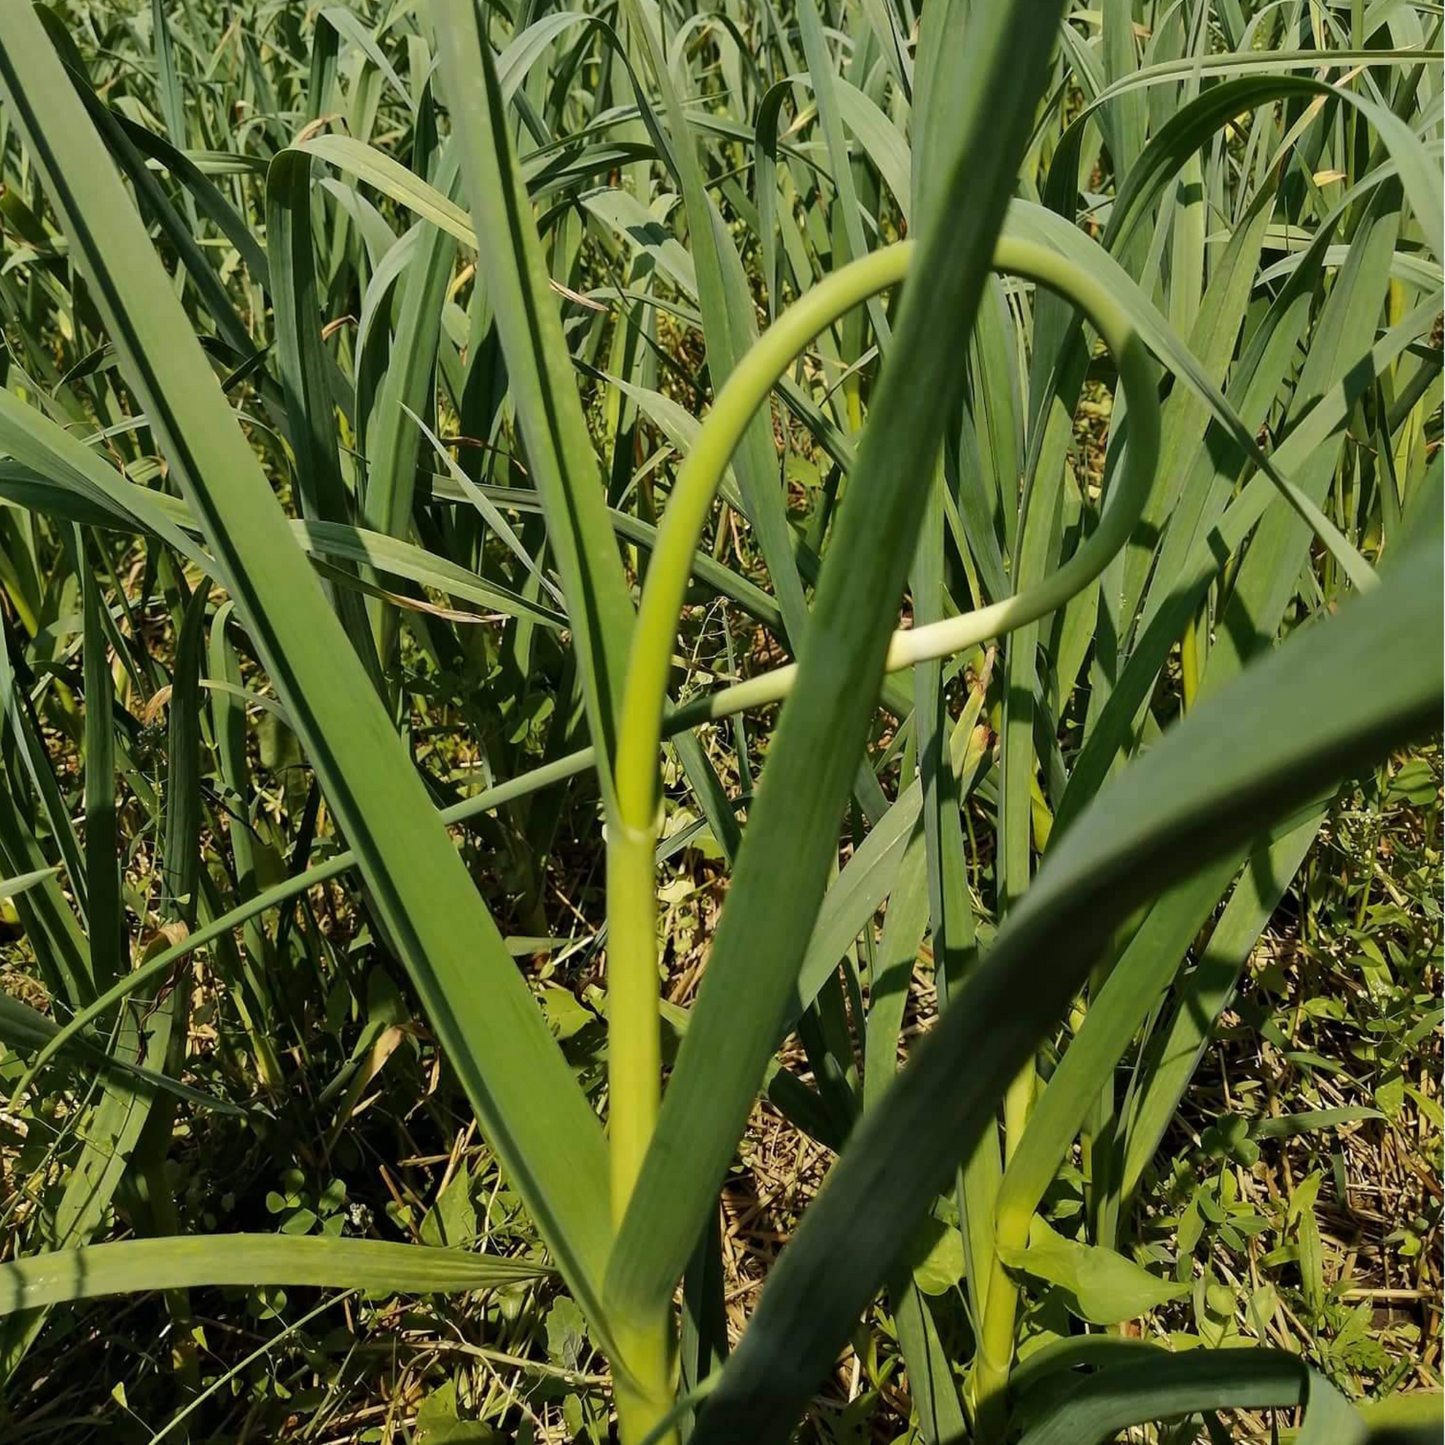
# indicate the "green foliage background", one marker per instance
pixel 470 282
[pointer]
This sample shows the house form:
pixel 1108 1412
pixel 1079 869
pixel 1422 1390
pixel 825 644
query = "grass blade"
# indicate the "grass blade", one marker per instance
pixel 252 1259
pixel 543 384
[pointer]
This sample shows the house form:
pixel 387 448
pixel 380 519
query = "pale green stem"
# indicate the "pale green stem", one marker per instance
pixel 634 1060
pixel 1018 1101
pixel 645 1396
pixel 989 1385
pixel 632 835
pixel 996 1339
pixel 1000 1311
pixel 633 977
pixel 1189 663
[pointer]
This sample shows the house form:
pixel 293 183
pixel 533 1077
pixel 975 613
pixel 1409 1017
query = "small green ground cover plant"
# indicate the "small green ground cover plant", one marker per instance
pixel 596 597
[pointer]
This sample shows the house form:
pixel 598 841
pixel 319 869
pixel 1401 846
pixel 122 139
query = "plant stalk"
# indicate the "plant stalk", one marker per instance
pixel 633 979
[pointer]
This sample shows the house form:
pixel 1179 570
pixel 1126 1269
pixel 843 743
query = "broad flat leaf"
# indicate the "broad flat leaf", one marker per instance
pixel 1100 1284
pixel 941 1266
pixel 1168 1386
